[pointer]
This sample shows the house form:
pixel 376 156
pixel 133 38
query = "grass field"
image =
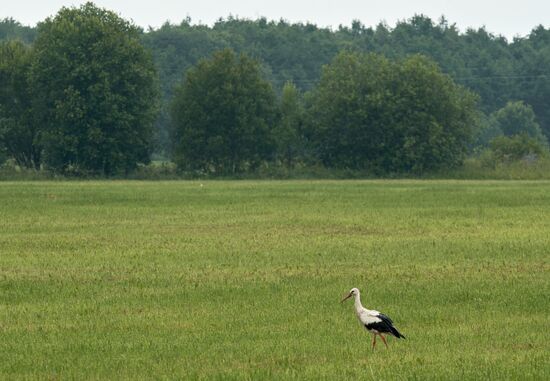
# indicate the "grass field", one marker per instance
pixel 242 280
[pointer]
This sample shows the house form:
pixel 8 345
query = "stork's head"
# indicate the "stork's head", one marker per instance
pixel 354 291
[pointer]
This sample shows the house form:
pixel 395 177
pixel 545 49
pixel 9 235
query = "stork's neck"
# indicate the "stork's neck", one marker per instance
pixel 358 305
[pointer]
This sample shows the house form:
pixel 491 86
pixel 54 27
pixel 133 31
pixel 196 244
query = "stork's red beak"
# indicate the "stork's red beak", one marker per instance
pixel 347 297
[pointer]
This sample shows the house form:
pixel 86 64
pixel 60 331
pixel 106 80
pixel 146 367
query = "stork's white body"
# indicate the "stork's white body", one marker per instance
pixel 366 317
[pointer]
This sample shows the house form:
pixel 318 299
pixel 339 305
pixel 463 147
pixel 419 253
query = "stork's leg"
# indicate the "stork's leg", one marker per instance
pixel 384 340
pixel 373 341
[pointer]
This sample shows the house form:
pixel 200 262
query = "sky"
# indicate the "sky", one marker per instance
pixel 505 17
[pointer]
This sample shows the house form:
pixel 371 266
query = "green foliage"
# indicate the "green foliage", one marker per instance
pixel 19 135
pixel 517 118
pixel 241 280
pixel 95 92
pixel 286 52
pixel 223 114
pixel 175 49
pixel 517 147
pixel 289 132
pixel 496 69
pixel 369 112
pixel 500 71
pixel 486 129
pixel 348 129
pixel 532 64
pixel 13 30
pixel 433 116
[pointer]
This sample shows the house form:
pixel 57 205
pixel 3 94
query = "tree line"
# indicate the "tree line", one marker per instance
pixel 89 92
pixel 499 71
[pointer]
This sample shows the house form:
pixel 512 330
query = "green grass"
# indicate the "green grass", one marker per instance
pixel 242 280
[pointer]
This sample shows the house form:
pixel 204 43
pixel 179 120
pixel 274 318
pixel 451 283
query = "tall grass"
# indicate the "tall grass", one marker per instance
pixel 473 169
pixel 476 169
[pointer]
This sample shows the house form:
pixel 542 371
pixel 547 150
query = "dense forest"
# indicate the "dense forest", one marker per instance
pixel 510 78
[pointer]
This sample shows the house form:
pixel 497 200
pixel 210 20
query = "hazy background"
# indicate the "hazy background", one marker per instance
pixel 509 18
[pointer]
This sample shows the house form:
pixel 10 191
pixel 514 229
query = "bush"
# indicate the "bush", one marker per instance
pixel 156 170
pixel 518 147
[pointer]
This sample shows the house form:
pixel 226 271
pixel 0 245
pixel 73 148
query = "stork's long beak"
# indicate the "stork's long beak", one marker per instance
pixel 347 297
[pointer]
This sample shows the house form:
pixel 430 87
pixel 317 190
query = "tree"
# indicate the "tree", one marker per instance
pixel 349 129
pixel 288 132
pixel 19 136
pixel 517 118
pixel 223 113
pixel 371 113
pixel 95 91
pixel 434 118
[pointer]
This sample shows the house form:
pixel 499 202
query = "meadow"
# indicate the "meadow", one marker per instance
pixel 236 280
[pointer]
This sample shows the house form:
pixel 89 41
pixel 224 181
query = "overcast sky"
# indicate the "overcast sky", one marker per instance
pixel 505 17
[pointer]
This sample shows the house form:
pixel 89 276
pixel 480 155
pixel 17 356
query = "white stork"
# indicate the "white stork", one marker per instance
pixel 375 322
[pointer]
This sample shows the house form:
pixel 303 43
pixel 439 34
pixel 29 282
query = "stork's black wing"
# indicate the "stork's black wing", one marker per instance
pixel 384 325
